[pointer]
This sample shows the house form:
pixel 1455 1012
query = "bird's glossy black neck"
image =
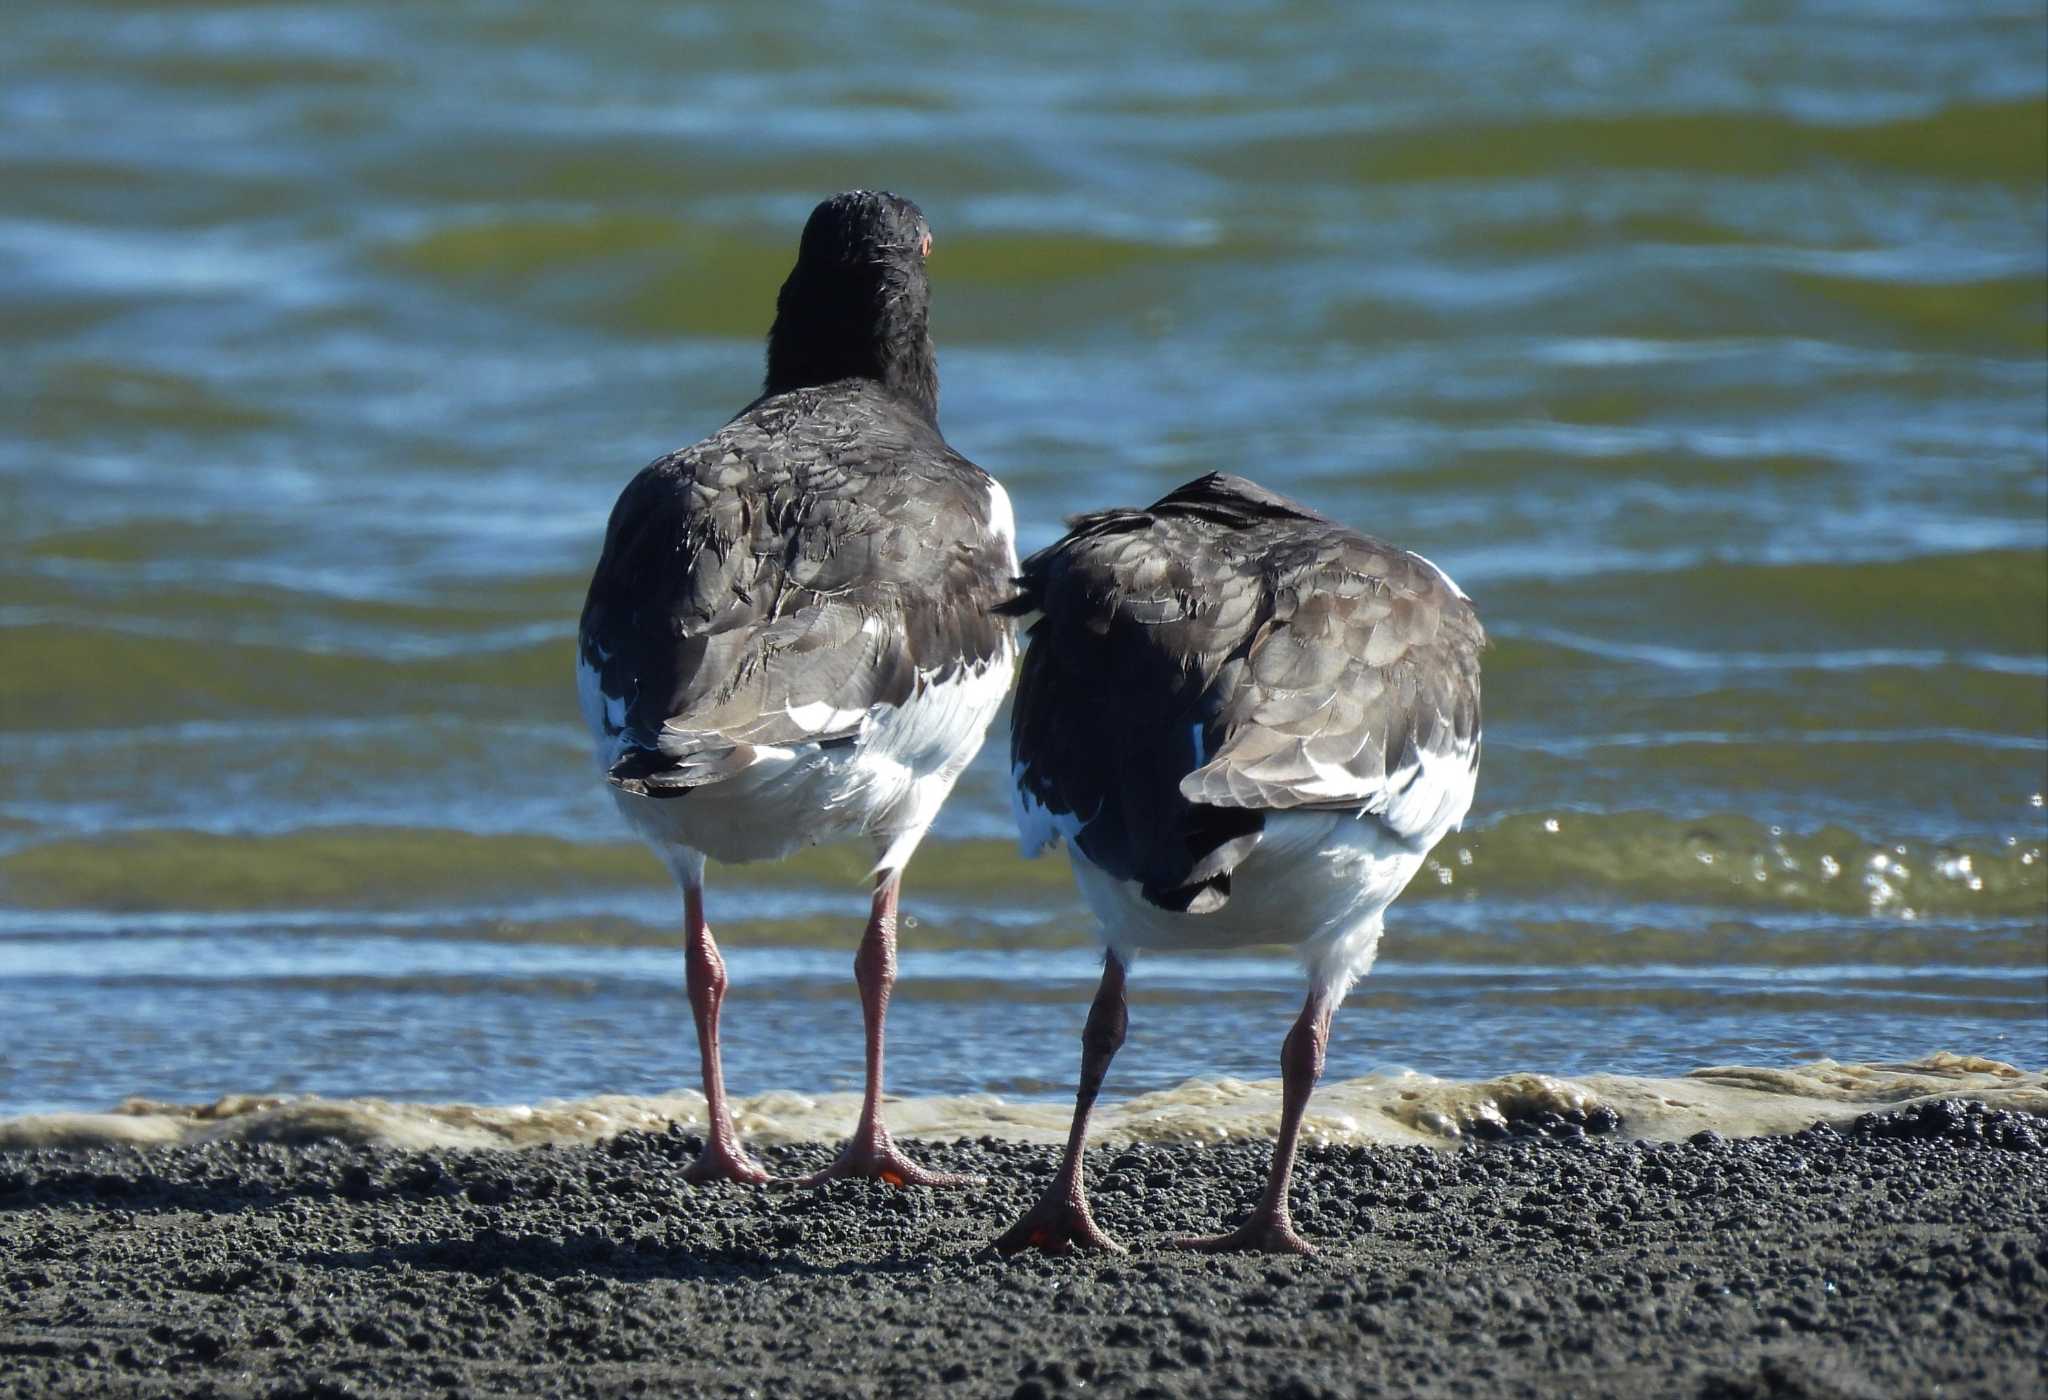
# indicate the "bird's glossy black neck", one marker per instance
pixel 835 325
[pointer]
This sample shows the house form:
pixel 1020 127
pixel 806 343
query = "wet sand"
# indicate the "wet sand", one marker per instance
pixel 1901 1255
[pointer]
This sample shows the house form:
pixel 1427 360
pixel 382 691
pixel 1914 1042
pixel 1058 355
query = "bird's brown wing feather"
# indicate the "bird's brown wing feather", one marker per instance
pixel 1224 655
pixel 771 584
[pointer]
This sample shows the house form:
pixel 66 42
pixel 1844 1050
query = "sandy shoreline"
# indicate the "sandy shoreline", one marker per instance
pixel 1902 1254
pixel 1398 1108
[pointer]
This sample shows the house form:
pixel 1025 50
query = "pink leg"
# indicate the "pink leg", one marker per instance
pixel 1061 1221
pixel 869 1153
pixel 1270 1229
pixel 723 1159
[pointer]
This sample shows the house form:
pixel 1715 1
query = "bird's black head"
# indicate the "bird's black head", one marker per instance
pixel 858 302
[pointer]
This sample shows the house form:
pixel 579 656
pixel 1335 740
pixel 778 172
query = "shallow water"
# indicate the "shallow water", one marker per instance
pixel 1707 356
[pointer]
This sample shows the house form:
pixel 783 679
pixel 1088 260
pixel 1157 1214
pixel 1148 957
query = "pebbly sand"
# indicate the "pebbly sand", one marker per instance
pixel 1901 1254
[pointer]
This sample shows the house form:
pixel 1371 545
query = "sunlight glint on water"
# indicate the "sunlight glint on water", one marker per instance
pixel 1709 357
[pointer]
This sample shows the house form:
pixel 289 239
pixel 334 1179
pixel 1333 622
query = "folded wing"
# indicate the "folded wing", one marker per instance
pixel 1226 654
pixel 741 609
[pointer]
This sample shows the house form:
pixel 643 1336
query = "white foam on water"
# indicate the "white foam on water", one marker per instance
pixel 1397 1108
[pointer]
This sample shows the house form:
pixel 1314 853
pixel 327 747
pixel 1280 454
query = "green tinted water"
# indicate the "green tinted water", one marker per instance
pixel 1706 354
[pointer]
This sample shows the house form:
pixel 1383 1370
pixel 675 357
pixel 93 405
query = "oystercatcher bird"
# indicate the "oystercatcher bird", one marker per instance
pixel 1249 725
pixel 790 637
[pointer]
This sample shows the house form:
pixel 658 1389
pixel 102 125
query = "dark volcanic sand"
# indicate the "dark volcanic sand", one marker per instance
pixel 1905 1257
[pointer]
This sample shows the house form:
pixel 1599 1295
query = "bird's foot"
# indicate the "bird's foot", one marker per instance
pixel 873 1157
pixel 1059 1224
pixel 723 1160
pixel 1261 1234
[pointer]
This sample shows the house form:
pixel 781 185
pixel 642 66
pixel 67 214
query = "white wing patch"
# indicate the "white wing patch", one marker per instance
pixel 929 740
pixel 821 717
pixel 1429 799
pixel 604 715
pixel 1002 521
pixel 1448 580
pixel 942 723
pixel 1038 826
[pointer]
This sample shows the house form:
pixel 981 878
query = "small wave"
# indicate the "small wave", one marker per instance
pixel 635 273
pixel 1734 860
pixel 1719 860
pixel 1396 1107
pixel 1959 603
pixel 1999 141
pixel 324 867
pixel 86 398
pixel 69 675
pixel 1774 663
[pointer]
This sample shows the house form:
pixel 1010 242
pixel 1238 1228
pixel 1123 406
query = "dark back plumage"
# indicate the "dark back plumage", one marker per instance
pixel 824 552
pixel 1228 653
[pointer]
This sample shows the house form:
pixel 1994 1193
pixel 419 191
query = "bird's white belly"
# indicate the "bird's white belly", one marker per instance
pixel 1319 881
pixel 888 783
pixel 793 797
